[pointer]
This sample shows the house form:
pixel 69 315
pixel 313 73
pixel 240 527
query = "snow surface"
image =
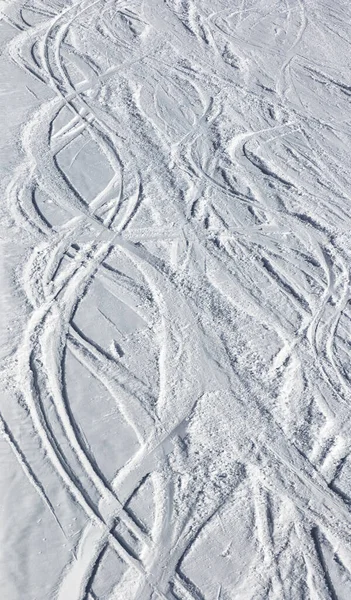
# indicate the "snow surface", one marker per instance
pixel 175 300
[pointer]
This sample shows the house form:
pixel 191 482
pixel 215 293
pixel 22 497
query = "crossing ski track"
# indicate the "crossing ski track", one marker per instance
pixel 176 313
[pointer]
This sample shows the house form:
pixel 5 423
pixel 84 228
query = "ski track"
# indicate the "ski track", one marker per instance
pixel 187 165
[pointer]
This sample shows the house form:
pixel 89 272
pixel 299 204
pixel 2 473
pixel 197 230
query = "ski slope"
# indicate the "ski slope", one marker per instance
pixel 175 339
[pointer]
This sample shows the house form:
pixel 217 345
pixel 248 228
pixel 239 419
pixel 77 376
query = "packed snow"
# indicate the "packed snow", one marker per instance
pixel 175 410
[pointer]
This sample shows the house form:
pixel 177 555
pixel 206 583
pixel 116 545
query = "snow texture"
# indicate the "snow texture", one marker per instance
pixel 175 409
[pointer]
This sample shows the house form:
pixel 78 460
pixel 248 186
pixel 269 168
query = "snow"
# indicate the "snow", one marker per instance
pixel 175 300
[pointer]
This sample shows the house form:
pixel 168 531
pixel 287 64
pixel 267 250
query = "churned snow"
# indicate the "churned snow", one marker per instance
pixel 175 408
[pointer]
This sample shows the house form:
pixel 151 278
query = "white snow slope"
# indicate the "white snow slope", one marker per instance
pixel 175 300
